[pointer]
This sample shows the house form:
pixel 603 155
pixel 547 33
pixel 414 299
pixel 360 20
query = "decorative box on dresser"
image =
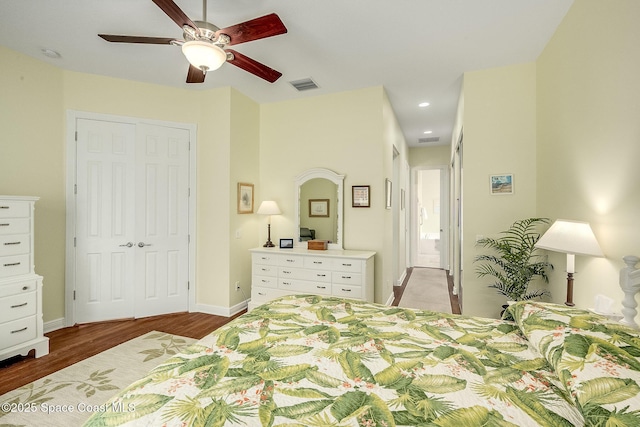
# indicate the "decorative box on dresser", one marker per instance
pixel 278 272
pixel 21 328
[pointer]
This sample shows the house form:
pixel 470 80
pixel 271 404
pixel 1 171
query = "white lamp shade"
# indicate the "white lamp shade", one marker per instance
pixel 204 55
pixel 269 207
pixel 570 237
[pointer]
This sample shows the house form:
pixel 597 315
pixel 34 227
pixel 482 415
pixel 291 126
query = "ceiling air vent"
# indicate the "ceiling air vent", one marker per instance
pixel 304 84
pixel 428 140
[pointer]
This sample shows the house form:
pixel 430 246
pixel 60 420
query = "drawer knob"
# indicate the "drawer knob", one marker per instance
pixel 321 275
pixel 291 260
pixel 12 264
pixel 4 207
pixel 19 305
pixel 262 293
pixel 321 287
pixel 19 330
pixel 286 283
pixel 346 277
pixel 4 224
pixel 317 262
pixel 346 265
pixel 24 288
pixel 346 290
pixel 11 243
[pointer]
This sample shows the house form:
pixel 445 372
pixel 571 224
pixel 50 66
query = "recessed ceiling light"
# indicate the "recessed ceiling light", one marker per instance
pixel 427 132
pixel 50 53
pixel 423 104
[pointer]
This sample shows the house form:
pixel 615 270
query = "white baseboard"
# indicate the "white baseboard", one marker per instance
pixel 220 311
pixel 54 325
pixel 401 279
pixel 390 299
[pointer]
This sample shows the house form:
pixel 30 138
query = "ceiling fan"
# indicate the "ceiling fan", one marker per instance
pixel 204 44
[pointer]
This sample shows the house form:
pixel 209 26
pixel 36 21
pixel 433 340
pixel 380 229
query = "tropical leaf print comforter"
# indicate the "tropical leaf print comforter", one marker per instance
pixel 596 359
pixel 312 361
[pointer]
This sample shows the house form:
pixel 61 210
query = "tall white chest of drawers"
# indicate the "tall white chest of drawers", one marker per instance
pixel 278 272
pixel 21 328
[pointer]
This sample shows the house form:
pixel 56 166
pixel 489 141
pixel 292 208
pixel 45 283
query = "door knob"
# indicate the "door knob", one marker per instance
pixel 143 244
pixel 128 244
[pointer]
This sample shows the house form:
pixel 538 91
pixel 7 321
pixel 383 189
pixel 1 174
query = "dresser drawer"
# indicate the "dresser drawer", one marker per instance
pixel 317 262
pixel 17 306
pixel 265 270
pixel 14 225
pixel 287 260
pixel 16 288
pixel 13 209
pixel 347 291
pixel 260 295
pixel 264 281
pixel 14 265
pixel 304 274
pixel 15 244
pixel 353 265
pixel 295 286
pixel 18 331
pixel 265 259
pixel 345 278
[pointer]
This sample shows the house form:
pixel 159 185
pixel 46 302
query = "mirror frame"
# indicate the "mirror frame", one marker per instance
pixel 336 179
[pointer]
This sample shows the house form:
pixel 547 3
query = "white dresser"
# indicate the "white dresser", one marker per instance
pixel 21 327
pixel 278 272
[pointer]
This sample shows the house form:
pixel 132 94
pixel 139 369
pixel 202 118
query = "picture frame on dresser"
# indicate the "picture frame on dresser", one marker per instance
pixel 286 243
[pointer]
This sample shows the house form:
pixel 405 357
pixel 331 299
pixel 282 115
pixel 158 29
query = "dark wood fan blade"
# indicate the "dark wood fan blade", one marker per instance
pixel 253 66
pixel 195 75
pixel 259 28
pixel 135 39
pixel 175 13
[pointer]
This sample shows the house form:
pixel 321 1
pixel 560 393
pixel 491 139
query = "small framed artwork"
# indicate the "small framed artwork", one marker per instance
pixel 286 243
pixel 501 184
pixel 245 198
pixel 318 208
pixel 360 196
pixel 387 193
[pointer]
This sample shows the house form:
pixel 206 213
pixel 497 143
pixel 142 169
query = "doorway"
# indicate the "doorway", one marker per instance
pixel 430 218
pixel 129 220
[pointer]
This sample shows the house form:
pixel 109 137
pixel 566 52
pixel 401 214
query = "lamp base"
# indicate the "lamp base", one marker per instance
pixel 569 301
pixel 269 243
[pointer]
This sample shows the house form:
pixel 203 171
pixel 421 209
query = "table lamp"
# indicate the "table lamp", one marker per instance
pixel 573 238
pixel 269 207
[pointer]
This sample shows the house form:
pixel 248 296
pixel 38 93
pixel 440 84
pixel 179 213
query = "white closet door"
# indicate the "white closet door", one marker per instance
pixel 105 220
pixel 162 222
pixel 132 220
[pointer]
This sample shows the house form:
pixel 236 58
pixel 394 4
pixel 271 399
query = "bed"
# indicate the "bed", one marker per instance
pixel 306 360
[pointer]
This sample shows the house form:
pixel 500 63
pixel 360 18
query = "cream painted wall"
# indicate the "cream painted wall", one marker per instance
pixel 32 159
pixel 589 139
pixel 439 155
pixel 346 133
pixel 499 137
pixel 245 167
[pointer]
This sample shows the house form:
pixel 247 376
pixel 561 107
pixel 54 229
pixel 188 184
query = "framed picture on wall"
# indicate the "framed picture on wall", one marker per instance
pixel 318 208
pixel 360 196
pixel 245 198
pixel 501 184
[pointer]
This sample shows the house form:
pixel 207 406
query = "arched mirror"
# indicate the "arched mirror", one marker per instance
pixel 319 207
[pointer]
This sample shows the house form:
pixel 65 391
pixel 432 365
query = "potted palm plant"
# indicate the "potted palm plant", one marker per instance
pixel 514 261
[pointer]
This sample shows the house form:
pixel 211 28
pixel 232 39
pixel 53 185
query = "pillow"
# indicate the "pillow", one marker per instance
pixel 596 359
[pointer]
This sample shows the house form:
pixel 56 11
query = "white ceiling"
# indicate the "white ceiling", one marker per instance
pixel 417 49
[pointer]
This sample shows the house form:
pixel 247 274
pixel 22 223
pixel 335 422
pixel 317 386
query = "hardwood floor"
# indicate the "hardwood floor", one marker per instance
pixel 70 345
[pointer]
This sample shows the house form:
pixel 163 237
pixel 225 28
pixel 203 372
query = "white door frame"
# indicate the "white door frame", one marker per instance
pixel 445 262
pixel 70 256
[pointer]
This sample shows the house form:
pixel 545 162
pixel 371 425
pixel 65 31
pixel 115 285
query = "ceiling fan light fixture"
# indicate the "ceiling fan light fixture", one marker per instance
pixel 204 55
